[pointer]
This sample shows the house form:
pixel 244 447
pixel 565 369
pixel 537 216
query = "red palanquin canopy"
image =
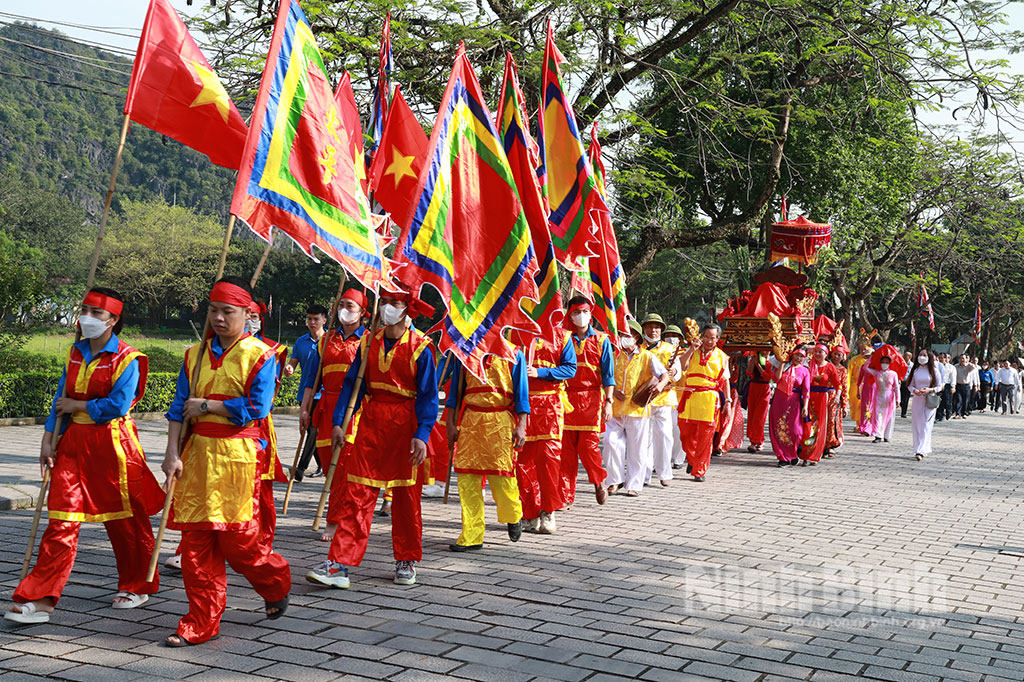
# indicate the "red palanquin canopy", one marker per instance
pixel 799 240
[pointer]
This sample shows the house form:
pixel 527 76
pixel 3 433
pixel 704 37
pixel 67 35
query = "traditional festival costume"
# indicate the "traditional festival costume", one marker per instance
pixel 628 438
pixel 664 410
pixel 786 421
pixel 538 467
pixel 759 398
pixel 214 503
pixel 487 417
pixel 824 382
pixel 885 395
pixel 729 431
pixel 269 464
pixel 853 382
pixel 700 405
pixel 595 367
pixel 397 402
pixel 834 432
pixel 99 472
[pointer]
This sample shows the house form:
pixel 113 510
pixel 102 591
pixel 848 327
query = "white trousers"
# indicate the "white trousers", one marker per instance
pixel 660 459
pixel 626 441
pixel 678 455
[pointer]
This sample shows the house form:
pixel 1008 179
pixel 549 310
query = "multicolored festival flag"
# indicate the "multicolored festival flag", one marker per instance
pixel 913 332
pixel 924 305
pixel 298 171
pixel 571 186
pixel 522 153
pixel 381 91
pixel 345 100
pixel 175 92
pixel 606 276
pixel 403 153
pixel 977 321
pixel 466 196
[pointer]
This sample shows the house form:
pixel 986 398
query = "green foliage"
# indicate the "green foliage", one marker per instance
pixel 21 274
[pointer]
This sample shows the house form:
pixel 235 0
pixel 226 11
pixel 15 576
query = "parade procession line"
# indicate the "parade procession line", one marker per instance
pixel 870 565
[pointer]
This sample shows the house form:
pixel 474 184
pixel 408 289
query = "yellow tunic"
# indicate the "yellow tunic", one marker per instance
pixel 485 429
pixel 856 363
pixel 631 372
pixel 702 381
pixel 219 459
pixel 664 352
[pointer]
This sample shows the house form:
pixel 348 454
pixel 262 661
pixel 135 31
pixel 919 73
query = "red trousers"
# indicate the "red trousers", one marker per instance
pixel 131 539
pixel 267 514
pixel 538 474
pixel 580 446
pixel 759 398
pixel 203 554
pixel 697 438
pixel 338 484
pixel 356 517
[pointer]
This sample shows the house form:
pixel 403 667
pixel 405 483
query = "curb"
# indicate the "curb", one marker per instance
pixel 18 497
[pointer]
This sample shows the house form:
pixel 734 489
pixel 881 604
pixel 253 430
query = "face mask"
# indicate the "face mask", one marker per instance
pixel 347 316
pixel 650 339
pixel 92 328
pixel 627 343
pixel 885 366
pixel 580 319
pixel 253 326
pixel 391 314
pixel 922 359
pixel 674 341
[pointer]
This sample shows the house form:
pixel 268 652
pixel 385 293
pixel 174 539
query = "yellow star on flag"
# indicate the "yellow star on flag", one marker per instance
pixel 212 93
pixel 400 166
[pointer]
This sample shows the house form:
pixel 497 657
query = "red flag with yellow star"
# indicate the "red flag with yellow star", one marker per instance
pixel 399 159
pixel 175 92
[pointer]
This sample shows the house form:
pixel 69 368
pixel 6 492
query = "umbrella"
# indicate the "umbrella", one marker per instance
pixel 897 364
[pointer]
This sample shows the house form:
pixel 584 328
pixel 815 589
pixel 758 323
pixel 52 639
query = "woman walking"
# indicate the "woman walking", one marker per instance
pixel 789 407
pixel 925 387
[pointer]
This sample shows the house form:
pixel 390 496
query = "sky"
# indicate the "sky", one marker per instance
pixel 126 17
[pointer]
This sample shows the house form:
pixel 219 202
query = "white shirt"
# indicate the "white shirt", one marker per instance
pixel 1008 376
pixel 974 378
pixel 948 373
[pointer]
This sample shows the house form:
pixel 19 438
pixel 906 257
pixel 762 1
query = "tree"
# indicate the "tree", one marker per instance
pixel 22 282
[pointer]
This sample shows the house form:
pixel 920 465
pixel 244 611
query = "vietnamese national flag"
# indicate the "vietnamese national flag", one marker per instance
pixel 175 92
pixel 397 165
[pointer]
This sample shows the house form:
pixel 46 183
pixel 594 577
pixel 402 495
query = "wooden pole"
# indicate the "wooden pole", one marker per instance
pixel 263 261
pixel 183 435
pixel 316 384
pixel 451 446
pixel 106 206
pixel 336 451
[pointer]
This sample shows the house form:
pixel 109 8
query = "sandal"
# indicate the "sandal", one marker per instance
pixel 175 641
pixel 134 600
pixel 281 605
pixel 29 615
pixel 632 493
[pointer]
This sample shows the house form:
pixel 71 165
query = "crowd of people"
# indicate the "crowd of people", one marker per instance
pixel 632 410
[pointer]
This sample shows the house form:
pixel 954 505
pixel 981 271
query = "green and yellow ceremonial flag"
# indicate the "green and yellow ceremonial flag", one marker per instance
pixel 607 279
pixel 467 234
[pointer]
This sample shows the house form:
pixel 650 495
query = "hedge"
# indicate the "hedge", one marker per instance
pixel 29 394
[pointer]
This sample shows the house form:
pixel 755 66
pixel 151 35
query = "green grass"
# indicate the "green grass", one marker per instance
pixel 56 345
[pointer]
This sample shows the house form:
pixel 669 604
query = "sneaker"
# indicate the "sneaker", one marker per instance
pixel 435 490
pixel 531 525
pixel 405 573
pixel 676 465
pixel 918 457
pixel 547 524
pixel 329 573
pixel 317 474
pixel 515 531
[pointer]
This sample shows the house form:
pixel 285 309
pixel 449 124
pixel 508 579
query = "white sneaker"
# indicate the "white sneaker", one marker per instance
pixel 329 573
pixel 530 525
pixel 405 573
pixel 547 524
pixel 435 490
pixel 173 562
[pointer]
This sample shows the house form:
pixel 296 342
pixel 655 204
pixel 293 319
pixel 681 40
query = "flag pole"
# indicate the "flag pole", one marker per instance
pixel 62 419
pixel 356 387
pixel 451 446
pixel 316 383
pixel 183 434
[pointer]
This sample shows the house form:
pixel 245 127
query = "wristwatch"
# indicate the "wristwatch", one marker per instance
pixel 204 406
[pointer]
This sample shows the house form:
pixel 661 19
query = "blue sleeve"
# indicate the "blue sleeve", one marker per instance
pixel 310 364
pixel 259 401
pixel 176 411
pixel 426 394
pixel 607 364
pixel 520 386
pixel 51 419
pixel 119 401
pixel 346 389
pixel 566 368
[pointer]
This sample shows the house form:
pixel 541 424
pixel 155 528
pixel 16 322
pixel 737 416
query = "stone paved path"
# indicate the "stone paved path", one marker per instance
pixel 870 566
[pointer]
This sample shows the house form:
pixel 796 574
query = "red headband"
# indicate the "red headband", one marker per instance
pixel 232 294
pixel 356 296
pixel 585 305
pixel 821 346
pixel 413 305
pixel 108 303
pixel 254 307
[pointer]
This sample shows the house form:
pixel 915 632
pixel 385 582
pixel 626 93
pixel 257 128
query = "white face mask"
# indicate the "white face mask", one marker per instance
pixel 885 366
pixel 674 341
pixel 391 314
pixel 922 359
pixel 253 326
pixel 581 319
pixel 651 339
pixel 347 316
pixel 627 343
pixel 92 327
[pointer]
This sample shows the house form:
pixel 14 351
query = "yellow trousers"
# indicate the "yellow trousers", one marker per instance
pixel 471 497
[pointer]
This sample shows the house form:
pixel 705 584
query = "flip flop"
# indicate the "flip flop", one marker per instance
pixel 281 605
pixel 134 600
pixel 29 615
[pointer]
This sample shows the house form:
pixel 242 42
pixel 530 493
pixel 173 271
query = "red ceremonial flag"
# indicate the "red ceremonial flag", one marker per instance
pixel 396 168
pixel 175 92
pixel 977 322
pixel 345 100
pixel 611 309
pixel 924 305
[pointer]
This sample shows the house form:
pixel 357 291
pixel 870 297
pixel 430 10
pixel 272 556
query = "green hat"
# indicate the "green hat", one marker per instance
pixel 634 326
pixel 654 317
pixel 673 329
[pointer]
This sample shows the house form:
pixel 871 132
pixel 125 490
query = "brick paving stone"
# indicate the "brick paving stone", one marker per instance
pixel 486 673
pixel 96 673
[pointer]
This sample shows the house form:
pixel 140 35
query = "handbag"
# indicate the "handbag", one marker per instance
pixel 931 401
